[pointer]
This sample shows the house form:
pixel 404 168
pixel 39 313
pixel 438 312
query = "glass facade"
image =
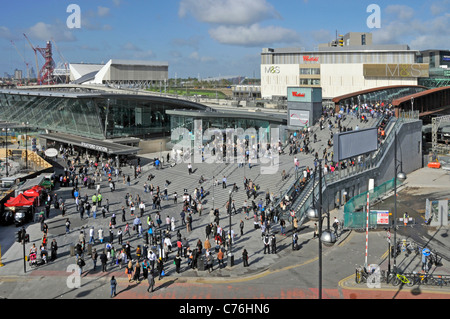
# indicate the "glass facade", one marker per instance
pixel 386 96
pixel 93 116
pixel 222 123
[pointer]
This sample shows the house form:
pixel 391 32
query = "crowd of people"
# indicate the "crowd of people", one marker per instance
pixel 159 237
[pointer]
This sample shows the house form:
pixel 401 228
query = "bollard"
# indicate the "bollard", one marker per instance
pixel 1 264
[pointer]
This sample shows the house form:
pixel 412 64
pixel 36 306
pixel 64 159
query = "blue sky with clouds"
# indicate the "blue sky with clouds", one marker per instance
pixel 208 37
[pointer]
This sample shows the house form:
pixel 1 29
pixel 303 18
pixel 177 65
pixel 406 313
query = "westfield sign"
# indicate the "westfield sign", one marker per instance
pixel 296 94
pixel 307 58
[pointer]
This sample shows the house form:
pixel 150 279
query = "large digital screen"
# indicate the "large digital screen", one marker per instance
pixel 354 143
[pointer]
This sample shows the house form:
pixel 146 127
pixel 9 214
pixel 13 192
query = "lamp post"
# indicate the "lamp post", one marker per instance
pixel 397 176
pixel 214 187
pixel 326 236
pixel 230 254
pixel 6 129
pixel 26 144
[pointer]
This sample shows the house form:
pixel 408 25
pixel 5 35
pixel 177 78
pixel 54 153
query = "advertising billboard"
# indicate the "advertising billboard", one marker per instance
pixel 298 118
pixel 417 70
pixel 354 143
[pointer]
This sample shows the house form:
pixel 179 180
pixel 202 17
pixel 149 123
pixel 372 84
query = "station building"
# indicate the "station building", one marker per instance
pixel 117 122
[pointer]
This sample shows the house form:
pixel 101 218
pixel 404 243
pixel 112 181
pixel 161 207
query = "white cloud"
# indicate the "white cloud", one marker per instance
pixel 5 32
pixel 103 11
pixel 137 52
pixel 401 12
pixel 254 35
pixel 131 47
pixel 45 32
pixel 228 12
pixel 196 57
pixel 403 26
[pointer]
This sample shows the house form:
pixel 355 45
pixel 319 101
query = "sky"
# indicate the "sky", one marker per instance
pixel 208 38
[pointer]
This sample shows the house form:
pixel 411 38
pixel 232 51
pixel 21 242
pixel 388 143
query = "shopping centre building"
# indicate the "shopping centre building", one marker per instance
pixel 341 67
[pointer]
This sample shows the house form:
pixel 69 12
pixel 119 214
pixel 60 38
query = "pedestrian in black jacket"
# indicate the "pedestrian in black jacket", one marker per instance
pixel 103 260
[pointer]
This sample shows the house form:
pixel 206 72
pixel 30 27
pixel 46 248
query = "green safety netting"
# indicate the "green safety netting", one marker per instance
pixel 354 213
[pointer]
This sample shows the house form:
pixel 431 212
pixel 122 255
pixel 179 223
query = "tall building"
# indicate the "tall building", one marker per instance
pixel 18 74
pixel 348 64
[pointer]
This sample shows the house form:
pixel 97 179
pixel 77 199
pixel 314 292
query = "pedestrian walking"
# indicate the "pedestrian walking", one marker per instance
pixel 54 248
pixel 137 272
pixel 266 241
pixel 245 258
pixel 177 263
pixel 67 226
pixel 241 227
pixel 91 235
pixel 103 260
pixel 113 284
pixel 220 258
pixel 119 236
pixel 151 282
pixel 94 258
pixel 209 262
pixel 81 264
pixel 160 267
pixel 273 242
pixel 129 270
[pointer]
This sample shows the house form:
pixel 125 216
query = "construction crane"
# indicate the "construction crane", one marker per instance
pixel 63 61
pixel 37 64
pixel 26 63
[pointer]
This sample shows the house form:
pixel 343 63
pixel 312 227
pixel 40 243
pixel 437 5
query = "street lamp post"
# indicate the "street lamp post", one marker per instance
pixel 314 214
pixel 397 176
pixel 6 129
pixel 230 254
pixel 26 145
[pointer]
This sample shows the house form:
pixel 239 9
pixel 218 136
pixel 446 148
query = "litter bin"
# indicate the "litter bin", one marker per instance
pixel 201 263
pixel 89 249
pixel 72 250
pixel 230 261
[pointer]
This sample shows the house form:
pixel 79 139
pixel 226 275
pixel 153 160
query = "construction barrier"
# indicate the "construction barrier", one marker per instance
pixel 434 165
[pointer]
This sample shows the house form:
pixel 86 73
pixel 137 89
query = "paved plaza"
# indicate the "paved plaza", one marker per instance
pixel 179 180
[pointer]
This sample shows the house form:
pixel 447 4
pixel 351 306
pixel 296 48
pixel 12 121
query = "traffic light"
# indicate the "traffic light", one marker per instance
pixel 19 236
pixel 341 40
pixel 27 238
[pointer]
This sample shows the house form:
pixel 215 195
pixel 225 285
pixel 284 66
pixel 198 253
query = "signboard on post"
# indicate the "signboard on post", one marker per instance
pixel 382 216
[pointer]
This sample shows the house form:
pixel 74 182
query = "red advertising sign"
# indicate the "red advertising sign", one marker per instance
pixel 307 58
pixel 296 94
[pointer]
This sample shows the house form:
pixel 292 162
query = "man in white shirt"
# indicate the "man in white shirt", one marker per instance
pixel 142 208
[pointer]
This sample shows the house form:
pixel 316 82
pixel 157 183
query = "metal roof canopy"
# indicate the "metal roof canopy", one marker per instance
pixel 232 114
pixel 338 99
pixel 92 144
